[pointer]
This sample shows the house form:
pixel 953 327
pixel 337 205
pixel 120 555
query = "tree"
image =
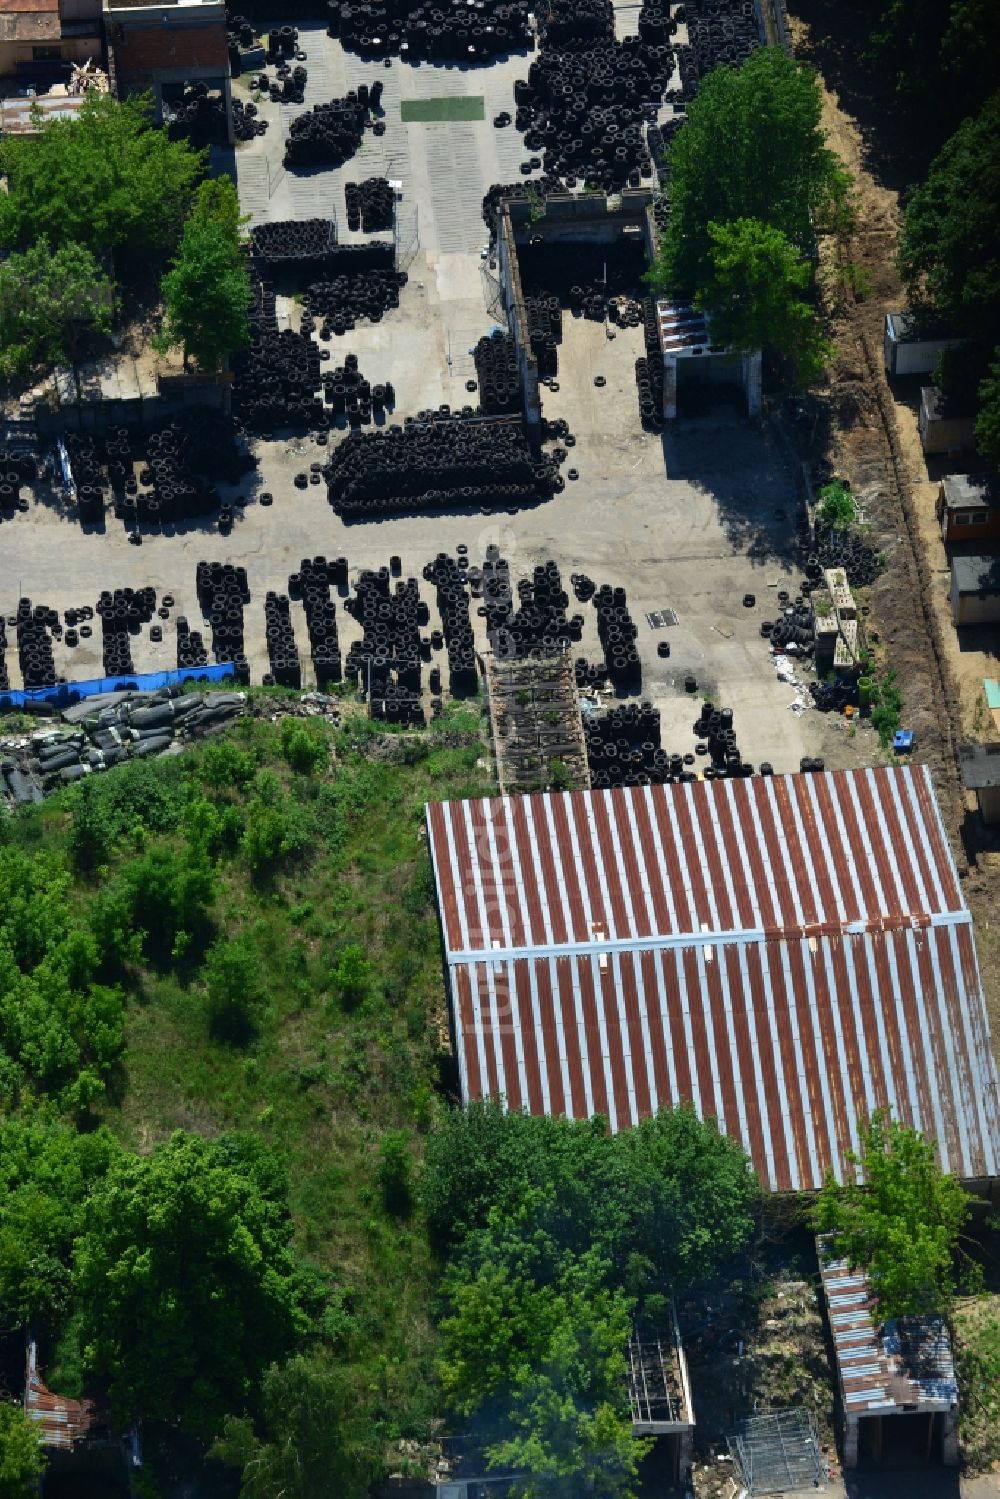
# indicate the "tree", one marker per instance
pixel 47 297
pixel 304 752
pixel 236 992
pixel 899 1220
pixel 949 248
pixel 106 180
pixel 351 975
pixel 207 290
pixel 752 149
pixel 752 294
pixel 939 52
pixel 188 1285
pixel 310 1448
pixel 22 1461
pixel 988 420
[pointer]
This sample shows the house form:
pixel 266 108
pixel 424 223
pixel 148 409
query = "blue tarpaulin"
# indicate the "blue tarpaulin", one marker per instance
pixel 67 693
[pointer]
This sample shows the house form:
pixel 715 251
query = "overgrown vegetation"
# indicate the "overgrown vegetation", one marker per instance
pixel 751 182
pixel 900 1220
pixel 976 1324
pixel 556 1235
pixel 836 505
pixel 215 1114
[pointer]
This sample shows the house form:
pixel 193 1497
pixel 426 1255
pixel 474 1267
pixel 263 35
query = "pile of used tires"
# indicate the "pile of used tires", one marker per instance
pixel 617 633
pixel 497 375
pixel 717 740
pixel 17 468
pixel 649 370
pixel 624 748
pixel 279 635
pixel 122 614
pixel 302 247
pixel 330 134
pixel 312 585
pixel 452 586
pixel 433 465
pixel 431 31
pixel 276 379
pixel 386 661
pixel 358 293
pixel 539 625
pixel 190 645
pixel 223 591
pixel 34 643
pixel 841 549
pixel 352 396
pixel 795 626
pixel 371 205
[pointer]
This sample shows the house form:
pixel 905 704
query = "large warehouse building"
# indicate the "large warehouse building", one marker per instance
pixel 787 953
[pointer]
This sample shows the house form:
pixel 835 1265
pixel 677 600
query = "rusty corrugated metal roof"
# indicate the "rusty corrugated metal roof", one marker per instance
pixel 899 1365
pixel 787 953
pixel 63 1422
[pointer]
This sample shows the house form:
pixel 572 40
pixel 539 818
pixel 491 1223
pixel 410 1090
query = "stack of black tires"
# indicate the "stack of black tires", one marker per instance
pixel 312 584
pixel 497 374
pixel 717 735
pixel 279 635
pixel 370 205
pixel 433 465
pixel 453 606
pixel 223 592
pixel 386 661
pixel 276 379
pixel 431 31
pixel 122 614
pixel 34 643
pixel 330 134
pixel 190 645
pixel 617 633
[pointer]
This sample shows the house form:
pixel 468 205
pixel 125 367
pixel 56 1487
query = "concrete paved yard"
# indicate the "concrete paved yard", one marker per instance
pixel 690 522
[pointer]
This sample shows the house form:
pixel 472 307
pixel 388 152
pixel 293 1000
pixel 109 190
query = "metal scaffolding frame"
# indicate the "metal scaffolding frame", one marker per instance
pixel 777 1453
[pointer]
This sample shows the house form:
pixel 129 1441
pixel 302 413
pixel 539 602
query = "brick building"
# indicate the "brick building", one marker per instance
pixel 160 45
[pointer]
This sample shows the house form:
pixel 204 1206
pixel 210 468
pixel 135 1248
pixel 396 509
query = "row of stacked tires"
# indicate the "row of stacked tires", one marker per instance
pixel 649 369
pixel 539 625
pixel 182 462
pixel 844 549
pixel 714 730
pixel 452 587
pixel 371 205
pixel 223 591
pixel 275 379
pixel 303 245
pixel 17 468
pixel 497 375
pixel 190 645
pixel 349 394
pixel 4 678
pixel 545 332
pixel 617 633
pixel 624 748
pixel 720 31
pixel 431 32
pixel 453 461
pixel 279 636
pixel 340 302
pixel 88 476
pixel 386 661
pixel 34 644
pixel 329 134
pixel 587 94
pixel 121 613
pixel 312 585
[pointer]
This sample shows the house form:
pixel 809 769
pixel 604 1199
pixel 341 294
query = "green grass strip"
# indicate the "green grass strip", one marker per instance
pixel 460 107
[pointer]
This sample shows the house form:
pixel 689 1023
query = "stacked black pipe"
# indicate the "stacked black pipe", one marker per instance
pixel 498 376
pixel 453 607
pixel 279 634
pixel 330 134
pixel 190 645
pixel 34 644
pixel 433 30
pixel 714 728
pixel 841 549
pixel 276 378
pixel 386 661
pixel 617 633
pixel 88 478
pixel 432 465
pixel 312 584
pixel 624 748
pixel 122 613
pixel 587 96
pixel 370 205
pixel 223 592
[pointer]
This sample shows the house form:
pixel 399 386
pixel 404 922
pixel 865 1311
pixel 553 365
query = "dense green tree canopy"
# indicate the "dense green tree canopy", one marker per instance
pixel 22 1460
pixel 754 295
pixel 106 180
pixel 752 149
pixel 942 54
pixel 900 1220
pixel 47 298
pixel 949 252
pixel 186 1277
pixel 988 420
pixel 207 289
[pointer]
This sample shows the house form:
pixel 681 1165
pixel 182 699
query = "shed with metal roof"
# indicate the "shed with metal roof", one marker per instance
pixel 901 1367
pixel 788 954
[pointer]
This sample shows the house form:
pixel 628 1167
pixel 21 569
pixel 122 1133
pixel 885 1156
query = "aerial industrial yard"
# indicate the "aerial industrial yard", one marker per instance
pixel 499 980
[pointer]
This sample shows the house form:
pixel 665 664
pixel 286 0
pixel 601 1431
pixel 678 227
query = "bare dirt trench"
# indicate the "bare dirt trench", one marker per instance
pixel 855 427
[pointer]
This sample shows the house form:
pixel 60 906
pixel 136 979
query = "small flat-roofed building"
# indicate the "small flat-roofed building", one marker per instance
pixel 910 351
pixel 942 431
pixel 897 1384
pixel 975 590
pixel 690 356
pixel 659 1393
pixel 163 45
pixel 980 767
pixel 39 39
pixel 967 509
